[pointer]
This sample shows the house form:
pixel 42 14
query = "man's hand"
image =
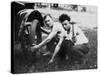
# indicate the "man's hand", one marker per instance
pixel 74 39
pixel 33 48
pixel 51 61
pixel 56 49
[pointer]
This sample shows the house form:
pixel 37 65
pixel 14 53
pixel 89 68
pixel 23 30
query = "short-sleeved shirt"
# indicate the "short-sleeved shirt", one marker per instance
pixel 81 38
pixel 79 34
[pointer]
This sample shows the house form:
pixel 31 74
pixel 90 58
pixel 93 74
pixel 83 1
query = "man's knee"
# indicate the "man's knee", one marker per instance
pixel 82 49
pixel 85 49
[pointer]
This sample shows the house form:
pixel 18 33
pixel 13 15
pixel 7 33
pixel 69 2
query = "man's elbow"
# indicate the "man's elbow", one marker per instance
pixel 87 41
pixel 48 40
pixel 58 47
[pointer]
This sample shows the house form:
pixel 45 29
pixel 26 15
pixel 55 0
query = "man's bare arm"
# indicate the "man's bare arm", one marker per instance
pixel 48 39
pixel 57 49
pixel 45 41
pixel 45 31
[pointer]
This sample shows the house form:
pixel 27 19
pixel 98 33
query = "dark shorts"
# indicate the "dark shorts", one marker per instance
pixel 68 48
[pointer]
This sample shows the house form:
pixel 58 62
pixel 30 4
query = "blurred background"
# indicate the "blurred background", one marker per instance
pixel 85 16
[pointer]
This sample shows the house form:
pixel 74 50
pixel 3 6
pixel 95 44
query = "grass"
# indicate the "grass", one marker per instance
pixel 33 63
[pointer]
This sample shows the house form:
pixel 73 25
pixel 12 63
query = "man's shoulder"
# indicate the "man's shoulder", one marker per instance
pixel 77 28
pixel 57 23
pixel 57 26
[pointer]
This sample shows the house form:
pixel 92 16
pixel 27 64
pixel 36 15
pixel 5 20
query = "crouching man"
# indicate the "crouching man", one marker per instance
pixel 77 44
pixel 56 31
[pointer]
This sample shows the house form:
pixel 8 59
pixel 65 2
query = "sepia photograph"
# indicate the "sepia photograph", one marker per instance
pixel 48 37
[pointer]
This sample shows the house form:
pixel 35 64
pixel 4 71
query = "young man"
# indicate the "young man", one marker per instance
pixel 56 31
pixel 76 36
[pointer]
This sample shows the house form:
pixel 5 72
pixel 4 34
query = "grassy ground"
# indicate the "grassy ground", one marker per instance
pixel 33 63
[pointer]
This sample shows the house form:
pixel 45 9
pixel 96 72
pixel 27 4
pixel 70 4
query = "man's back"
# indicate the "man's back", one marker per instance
pixel 79 34
pixel 59 29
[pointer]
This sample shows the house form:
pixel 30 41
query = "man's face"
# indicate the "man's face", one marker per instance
pixel 66 24
pixel 48 21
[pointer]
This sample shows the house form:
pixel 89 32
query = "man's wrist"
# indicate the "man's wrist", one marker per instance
pixel 39 45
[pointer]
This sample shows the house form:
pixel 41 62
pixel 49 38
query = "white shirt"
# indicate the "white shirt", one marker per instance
pixel 80 36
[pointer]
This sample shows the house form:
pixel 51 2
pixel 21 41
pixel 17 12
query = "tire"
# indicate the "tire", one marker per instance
pixel 29 39
pixel 35 31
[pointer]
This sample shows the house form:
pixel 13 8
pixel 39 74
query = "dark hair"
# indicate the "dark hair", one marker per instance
pixel 36 15
pixel 47 16
pixel 64 17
